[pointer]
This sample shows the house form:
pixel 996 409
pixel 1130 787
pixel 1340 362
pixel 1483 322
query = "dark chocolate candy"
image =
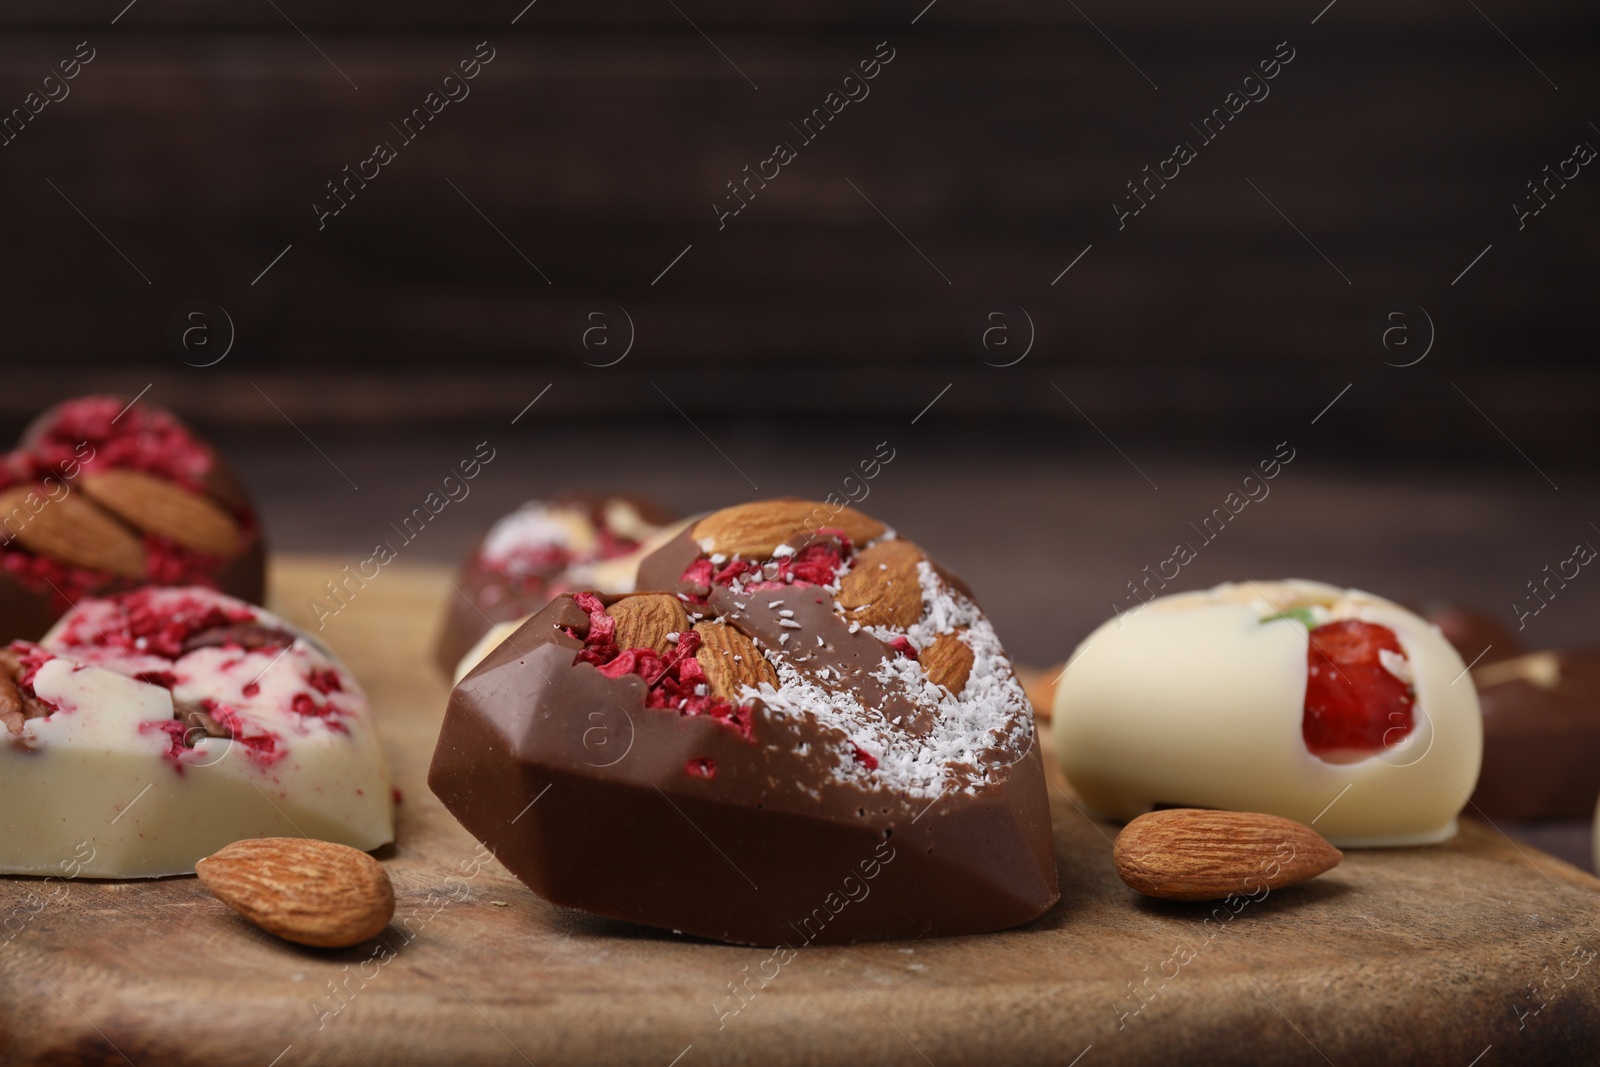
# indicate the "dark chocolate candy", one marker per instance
pixel 1541 736
pixel 1473 632
pixel 513 582
pixel 86 437
pixel 848 782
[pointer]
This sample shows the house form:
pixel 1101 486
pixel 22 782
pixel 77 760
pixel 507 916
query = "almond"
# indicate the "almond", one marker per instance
pixel 70 530
pixel 753 531
pixel 309 892
pixel 948 661
pixel 158 506
pixel 11 705
pixel 644 621
pixel 1199 854
pixel 17 705
pixel 731 660
pixel 882 588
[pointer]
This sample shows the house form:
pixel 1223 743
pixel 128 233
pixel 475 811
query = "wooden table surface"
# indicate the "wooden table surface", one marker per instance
pixel 1481 947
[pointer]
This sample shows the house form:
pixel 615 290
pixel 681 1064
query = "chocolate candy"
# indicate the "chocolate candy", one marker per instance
pixel 541 549
pixel 1480 636
pixel 813 735
pixel 1292 698
pixel 101 496
pixel 1541 736
pixel 149 729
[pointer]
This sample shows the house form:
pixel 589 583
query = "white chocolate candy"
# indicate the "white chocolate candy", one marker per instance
pixel 1198 700
pixel 111 775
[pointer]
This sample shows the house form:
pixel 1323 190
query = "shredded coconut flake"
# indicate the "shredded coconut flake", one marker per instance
pixel 958 753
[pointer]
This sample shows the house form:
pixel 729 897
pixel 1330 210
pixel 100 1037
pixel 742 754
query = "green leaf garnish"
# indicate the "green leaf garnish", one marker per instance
pixel 1301 615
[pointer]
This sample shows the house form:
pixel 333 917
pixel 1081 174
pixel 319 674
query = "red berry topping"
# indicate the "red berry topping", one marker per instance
pixel 904 646
pixel 1352 701
pixel 677 683
pixel 816 564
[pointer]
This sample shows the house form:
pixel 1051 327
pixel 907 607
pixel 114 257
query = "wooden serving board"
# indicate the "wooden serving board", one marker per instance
pixel 1430 955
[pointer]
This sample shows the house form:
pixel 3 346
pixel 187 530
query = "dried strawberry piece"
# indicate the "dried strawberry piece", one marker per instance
pixel 816 564
pixel 28 658
pixel 324 681
pixel 155 621
pixel 175 732
pixel 699 573
pixel 600 643
pixel 165 679
pixel 1353 702
pixel 903 645
pixel 676 684
pixel 700 767
pixel 865 758
pixel 124 436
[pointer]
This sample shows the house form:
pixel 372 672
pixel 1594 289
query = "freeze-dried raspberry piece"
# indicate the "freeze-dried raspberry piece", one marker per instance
pixel 677 683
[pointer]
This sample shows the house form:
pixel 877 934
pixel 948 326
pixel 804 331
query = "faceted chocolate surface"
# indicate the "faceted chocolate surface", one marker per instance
pixel 852 786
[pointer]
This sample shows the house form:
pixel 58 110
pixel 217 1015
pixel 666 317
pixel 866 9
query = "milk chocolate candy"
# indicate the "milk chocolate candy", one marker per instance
pixel 543 548
pixel 1480 636
pixel 103 495
pixel 1541 736
pixel 812 735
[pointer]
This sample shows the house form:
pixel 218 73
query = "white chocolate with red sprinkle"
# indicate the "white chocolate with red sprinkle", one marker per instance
pixel 1198 700
pixel 150 793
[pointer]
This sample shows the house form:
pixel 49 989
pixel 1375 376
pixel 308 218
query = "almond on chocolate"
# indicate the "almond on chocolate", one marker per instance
pixel 542 549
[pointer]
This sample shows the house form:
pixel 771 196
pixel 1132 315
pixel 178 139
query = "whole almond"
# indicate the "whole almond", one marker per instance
pixel 881 588
pixel 731 660
pixel 17 705
pixel 1200 854
pixel 948 661
pixel 11 705
pixel 310 892
pixel 70 530
pixel 158 506
pixel 644 621
pixel 753 531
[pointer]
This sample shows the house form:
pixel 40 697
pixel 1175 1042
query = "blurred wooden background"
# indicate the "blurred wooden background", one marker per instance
pixel 995 141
